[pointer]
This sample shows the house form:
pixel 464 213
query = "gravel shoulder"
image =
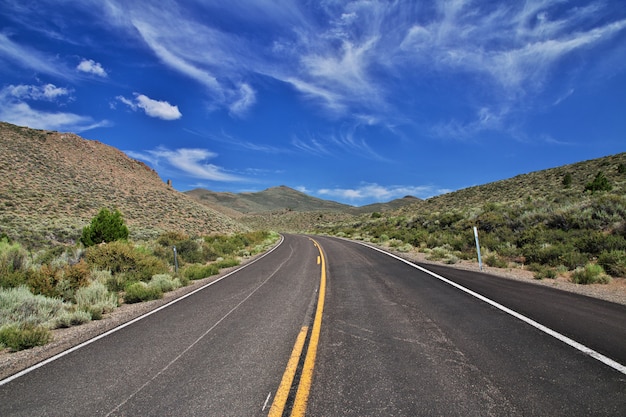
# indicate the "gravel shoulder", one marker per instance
pixel 64 339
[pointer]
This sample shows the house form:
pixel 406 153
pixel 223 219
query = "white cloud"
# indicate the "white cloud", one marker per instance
pixel 47 92
pixel 91 67
pixel 190 161
pixel 377 192
pixel 153 108
pixel 32 59
pixel 22 114
pixel 247 98
pixel 14 109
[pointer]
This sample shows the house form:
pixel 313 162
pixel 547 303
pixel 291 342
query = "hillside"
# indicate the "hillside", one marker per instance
pixel 545 185
pixel 52 184
pixel 270 200
pixel 568 221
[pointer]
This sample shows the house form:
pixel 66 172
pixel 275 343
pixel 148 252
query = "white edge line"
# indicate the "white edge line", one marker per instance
pixel 128 323
pixel 576 345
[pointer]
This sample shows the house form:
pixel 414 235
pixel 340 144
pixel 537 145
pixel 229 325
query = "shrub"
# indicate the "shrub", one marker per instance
pixel 106 227
pixel 567 180
pixel 165 282
pixel 226 263
pixel 613 262
pixel 494 260
pixel 20 306
pixel 599 183
pixel 542 272
pixel 123 257
pixel 590 274
pixel 72 318
pixel 44 280
pixel 140 291
pixel 197 271
pixel 96 299
pixel 24 337
pixel 77 275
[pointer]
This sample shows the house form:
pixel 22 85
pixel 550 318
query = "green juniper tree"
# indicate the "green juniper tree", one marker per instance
pixel 107 226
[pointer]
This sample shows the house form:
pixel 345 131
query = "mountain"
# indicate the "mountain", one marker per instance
pixel 273 199
pixel 52 184
pixel 389 206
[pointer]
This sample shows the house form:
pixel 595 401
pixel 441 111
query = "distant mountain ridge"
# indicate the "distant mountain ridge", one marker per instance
pixel 52 184
pixel 283 198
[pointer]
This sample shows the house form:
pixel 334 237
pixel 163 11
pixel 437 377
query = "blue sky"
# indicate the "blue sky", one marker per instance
pixel 352 101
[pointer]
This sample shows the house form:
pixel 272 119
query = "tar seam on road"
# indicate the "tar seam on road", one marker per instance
pixel 282 393
pixel 181 354
pixel 304 388
pixel 299 405
pixel 121 326
pixel 576 345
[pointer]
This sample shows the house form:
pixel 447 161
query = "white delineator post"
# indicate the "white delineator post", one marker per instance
pixel 480 262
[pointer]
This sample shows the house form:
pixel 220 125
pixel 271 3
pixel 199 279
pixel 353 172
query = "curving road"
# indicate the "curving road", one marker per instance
pixel 393 340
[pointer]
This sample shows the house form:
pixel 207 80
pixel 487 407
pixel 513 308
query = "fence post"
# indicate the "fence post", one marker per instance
pixel 175 261
pixel 480 262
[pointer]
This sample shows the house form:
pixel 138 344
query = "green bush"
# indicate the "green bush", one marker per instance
pixel 226 263
pixel 197 271
pixel 140 291
pixel 24 337
pixel 96 299
pixel 106 226
pixel 590 274
pixel 72 318
pixel 21 307
pixel 599 183
pixel 613 262
pixel 542 272
pixel 165 282
pixel 494 260
pixel 123 257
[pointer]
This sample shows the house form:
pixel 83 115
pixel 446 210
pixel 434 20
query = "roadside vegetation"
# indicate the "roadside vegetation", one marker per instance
pixel 575 226
pixel 62 286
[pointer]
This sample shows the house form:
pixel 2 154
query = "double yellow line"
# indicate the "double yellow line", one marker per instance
pixel 304 387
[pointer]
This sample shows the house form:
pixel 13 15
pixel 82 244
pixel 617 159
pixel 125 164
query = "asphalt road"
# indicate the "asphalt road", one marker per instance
pixel 393 341
pixel 219 352
pixel 398 342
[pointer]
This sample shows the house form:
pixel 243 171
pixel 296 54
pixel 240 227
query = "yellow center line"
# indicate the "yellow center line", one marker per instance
pixel 304 388
pixel 282 393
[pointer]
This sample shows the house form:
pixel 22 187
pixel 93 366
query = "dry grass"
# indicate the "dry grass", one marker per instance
pixel 52 184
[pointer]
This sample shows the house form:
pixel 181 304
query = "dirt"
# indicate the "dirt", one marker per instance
pixel 64 339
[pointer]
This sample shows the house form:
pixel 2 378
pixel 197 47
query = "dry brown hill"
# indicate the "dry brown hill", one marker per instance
pixel 52 184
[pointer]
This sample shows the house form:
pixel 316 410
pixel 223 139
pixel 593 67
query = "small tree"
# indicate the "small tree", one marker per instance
pixel 107 226
pixel 599 183
pixel 567 180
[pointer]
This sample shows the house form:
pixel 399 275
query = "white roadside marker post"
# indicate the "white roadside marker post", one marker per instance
pixel 480 262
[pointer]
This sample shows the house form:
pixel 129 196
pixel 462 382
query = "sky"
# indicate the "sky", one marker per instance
pixel 352 101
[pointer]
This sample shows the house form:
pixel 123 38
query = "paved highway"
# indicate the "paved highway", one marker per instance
pixel 333 328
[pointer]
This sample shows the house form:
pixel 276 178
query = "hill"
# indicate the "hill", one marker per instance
pixel 53 183
pixel 549 185
pixel 270 200
pixel 566 221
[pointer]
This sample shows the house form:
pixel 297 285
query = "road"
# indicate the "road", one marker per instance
pixel 394 340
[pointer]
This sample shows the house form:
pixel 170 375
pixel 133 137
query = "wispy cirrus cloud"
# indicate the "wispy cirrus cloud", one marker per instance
pixel 153 108
pixel 192 162
pixel 352 57
pixel 32 59
pixel 16 107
